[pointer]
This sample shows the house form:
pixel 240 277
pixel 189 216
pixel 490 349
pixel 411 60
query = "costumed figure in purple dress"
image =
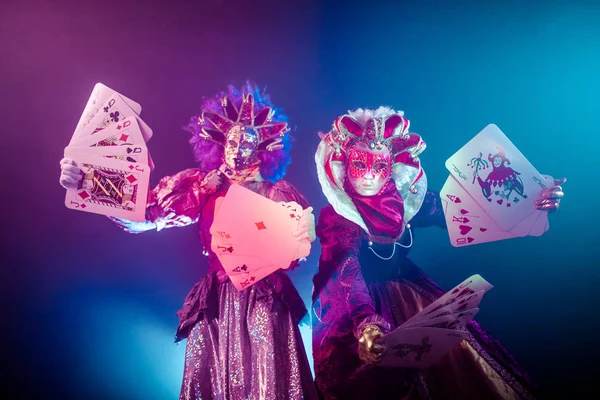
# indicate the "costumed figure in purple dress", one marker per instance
pixel 240 344
pixel 369 170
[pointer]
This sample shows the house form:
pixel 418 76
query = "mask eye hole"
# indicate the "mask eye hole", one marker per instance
pixel 378 167
pixel 359 164
pixel 232 143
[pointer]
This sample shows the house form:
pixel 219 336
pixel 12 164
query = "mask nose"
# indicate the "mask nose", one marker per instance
pixel 369 175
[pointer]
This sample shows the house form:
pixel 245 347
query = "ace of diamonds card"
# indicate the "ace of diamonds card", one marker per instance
pixel 255 226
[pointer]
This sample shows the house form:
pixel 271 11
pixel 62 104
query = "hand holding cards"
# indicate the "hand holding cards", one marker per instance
pixel 253 236
pixel 491 192
pixel 423 339
pixel 109 145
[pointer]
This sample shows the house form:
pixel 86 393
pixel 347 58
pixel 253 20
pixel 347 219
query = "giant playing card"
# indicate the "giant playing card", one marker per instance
pixel 109 147
pixel 110 187
pixel 497 176
pixel 465 289
pixel 419 347
pixel 491 191
pixel 100 94
pixel 249 225
pixel 425 337
pixel 113 111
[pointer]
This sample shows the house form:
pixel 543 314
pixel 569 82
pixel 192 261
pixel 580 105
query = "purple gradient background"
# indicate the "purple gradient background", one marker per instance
pixel 86 306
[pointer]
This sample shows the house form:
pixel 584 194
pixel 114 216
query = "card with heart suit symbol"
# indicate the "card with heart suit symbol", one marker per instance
pixel 496 202
pixel 437 329
pixel 467 222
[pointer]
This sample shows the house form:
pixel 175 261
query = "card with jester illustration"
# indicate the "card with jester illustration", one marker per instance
pixel 497 176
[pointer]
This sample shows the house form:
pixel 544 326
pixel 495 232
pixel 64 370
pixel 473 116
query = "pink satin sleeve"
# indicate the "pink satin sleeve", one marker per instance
pixel 175 202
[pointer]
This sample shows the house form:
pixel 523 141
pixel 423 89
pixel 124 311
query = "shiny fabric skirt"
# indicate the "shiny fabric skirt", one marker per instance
pixel 478 369
pixel 250 348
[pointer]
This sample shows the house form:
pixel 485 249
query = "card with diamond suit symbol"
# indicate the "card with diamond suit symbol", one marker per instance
pixel 110 187
pixel 250 225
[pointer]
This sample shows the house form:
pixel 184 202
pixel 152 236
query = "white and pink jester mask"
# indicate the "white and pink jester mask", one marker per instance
pixel 362 152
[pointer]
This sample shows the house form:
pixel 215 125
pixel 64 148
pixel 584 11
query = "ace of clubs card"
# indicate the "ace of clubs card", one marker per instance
pixel 245 271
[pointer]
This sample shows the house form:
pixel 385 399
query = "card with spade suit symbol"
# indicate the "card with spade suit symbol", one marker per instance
pixel 109 145
pixel 100 94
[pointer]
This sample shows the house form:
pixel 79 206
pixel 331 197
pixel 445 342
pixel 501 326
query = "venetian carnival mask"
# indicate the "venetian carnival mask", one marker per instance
pixel 244 128
pixel 368 170
pixel 241 148
pixel 368 147
pixel 366 152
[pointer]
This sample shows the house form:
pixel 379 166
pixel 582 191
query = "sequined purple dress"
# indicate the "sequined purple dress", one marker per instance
pixel 354 288
pixel 240 345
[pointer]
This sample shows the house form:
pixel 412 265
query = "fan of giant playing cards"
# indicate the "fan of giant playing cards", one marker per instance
pixel 252 235
pixel 109 145
pixel 426 337
pixel 491 191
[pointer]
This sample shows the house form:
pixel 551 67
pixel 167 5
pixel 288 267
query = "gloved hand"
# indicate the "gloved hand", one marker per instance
pixel 306 226
pixel 70 173
pixel 211 181
pixel 551 197
pixel 370 348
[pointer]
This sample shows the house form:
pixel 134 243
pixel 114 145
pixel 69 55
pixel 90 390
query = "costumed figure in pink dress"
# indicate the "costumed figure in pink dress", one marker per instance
pixel 240 344
pixel 369 169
